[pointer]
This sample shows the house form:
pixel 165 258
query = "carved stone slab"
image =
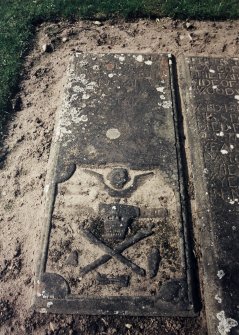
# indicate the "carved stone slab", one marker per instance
pixel 210 90
pixel 115 233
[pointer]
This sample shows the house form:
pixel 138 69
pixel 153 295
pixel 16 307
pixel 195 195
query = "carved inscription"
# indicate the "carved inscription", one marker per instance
pixel 218 76
pixel 215 91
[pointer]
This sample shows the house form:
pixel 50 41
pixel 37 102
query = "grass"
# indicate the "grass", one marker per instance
pixel 19 17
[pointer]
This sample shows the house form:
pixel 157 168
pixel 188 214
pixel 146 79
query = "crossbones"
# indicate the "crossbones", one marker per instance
pixel 116 252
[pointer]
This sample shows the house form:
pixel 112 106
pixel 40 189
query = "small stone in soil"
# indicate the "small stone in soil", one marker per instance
pixel 98 23
pixel 47 48
pixel 189 25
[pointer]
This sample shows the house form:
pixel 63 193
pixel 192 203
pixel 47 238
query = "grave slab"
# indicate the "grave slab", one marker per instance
pixel 115 237
pixel 210 92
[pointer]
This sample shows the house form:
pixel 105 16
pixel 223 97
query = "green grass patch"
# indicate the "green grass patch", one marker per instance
pixel 18 18
pixel 201 9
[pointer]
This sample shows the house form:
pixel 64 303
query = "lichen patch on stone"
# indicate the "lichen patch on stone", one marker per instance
pixel 113 133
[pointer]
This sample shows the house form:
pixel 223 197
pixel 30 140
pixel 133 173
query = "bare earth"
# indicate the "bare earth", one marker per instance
pixel 27 144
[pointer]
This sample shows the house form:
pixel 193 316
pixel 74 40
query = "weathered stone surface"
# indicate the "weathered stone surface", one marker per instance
pixel 113 193
pixel 73 258
pixel 210 90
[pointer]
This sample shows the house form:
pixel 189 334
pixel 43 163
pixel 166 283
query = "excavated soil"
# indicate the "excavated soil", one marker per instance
pixel 26 151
